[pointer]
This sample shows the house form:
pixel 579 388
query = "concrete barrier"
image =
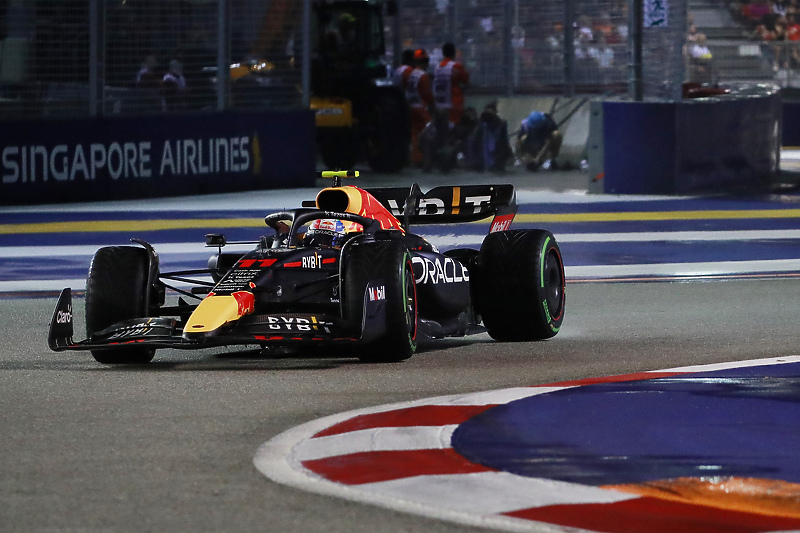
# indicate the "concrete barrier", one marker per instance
pixel 721 144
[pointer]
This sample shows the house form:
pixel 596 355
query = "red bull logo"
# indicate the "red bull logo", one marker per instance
pixel 246 302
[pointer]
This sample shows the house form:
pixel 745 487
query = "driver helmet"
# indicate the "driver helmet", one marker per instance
pixel 329 232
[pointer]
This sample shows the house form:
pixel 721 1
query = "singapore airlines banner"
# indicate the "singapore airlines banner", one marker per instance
pixel 115 158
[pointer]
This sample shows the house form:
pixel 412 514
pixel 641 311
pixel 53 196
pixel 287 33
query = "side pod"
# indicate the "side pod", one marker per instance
pixel 61 330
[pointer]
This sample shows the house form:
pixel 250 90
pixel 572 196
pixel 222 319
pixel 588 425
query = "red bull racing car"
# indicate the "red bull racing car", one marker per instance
pixel 343 269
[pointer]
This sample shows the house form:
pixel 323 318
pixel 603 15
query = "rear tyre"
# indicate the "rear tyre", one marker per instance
pixel 116 290
pixel 389 262
pixel 520 285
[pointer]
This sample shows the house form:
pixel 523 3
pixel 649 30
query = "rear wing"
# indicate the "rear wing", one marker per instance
pixel 450 204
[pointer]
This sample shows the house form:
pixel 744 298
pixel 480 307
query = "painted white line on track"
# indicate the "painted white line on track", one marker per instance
pixel 42 285
pixel 55 285
pixel 441 239
pixel 279 199
pixel 90 249
pixel 715 268
pixel 682 236
pixel 404 438
pixel 487 493
pixel 712 268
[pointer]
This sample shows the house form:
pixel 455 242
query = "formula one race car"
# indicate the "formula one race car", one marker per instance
pixel 356 276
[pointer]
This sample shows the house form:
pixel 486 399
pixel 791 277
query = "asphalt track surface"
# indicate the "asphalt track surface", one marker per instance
pixel 171 446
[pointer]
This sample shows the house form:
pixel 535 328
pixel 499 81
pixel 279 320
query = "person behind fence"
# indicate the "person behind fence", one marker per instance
pixel 147 78
pixel 401 73
pixel 538 141
pixel 342 39
pixel 488 147
pixel 450 79
pixel 438 144
pixel 420 100
pixel 174 86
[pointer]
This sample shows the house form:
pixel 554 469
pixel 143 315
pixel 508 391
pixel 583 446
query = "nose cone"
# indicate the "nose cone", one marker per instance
pixel 215 311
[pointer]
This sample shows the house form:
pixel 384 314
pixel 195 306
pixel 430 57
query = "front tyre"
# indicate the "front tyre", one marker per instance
pixel 116 290
pixel 520 285
pixel 390 264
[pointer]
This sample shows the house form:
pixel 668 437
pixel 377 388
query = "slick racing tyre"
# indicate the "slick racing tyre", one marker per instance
pixel 520 285
pixel 389 264
pixel 115 291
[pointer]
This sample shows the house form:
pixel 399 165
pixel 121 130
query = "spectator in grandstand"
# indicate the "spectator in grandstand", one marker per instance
pixel 555 42
pixel 584 29
pixel 757 12
pixel 603 55
pixel 700 60
pixel 762 33
pixel 584 63
pixel 692 35
pixel 538 141
pixel 793 36
pixel 779 8
pixel 604 26
pixel 612 31
pixel 793 8
pixel 450 79
pixel 420 100
pixel 780 34
pixel 174 85
pixel 792 28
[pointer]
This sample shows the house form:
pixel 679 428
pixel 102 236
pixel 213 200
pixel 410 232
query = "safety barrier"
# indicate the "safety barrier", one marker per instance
pixel 45 161
pixel 721 144
pixel 790 96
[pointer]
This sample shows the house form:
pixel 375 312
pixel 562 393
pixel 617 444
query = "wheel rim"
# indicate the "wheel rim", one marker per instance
pixel 554 282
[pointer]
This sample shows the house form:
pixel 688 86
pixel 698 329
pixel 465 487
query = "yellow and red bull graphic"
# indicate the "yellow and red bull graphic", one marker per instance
pixel 358 201
pixel 215 311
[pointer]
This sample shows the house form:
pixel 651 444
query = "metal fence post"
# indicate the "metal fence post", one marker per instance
pixel 306 73
pixel 635 84
pixel 95 60
pixel 223 54
pixel 569 48
pixel 508 49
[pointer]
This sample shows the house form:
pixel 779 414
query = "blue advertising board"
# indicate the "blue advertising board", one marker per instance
pixel 47 161
pixel 729 144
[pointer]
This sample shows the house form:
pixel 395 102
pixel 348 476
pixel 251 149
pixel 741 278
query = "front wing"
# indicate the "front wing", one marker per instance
pixel 261 329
